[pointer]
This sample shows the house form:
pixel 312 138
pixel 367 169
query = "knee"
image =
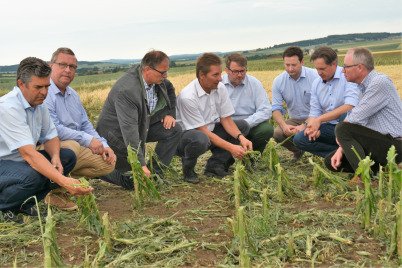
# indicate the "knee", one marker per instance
pixel 243 126
pixel 195 144
pixel 72 145
pixel 278 133
pixel 341 129
pixel 68 160
pixel 299 139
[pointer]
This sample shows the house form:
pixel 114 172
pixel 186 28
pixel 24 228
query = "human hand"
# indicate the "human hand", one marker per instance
pixel 57 164
pixel 168 122
pixel 74 187
pixel 288 130
pixel 146 171
pixel 96 146
pixel 109 156
pixel 245 143
pixel 299 128
pixel 336 158
pixel 313 124
pixel 238 151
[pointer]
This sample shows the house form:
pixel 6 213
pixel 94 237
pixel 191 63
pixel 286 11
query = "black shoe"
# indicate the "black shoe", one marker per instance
pixel 11 216
pixel 190 176
pixel 31 212
pixel 215 172
pixel 297 155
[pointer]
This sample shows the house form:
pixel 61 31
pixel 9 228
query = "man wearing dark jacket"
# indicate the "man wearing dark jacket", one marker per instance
pixel 140 108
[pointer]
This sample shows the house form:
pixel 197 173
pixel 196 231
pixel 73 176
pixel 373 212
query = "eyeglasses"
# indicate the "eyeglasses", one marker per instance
pixel 348 66
pixel 64 66
pixel 162 73
pixel 238 72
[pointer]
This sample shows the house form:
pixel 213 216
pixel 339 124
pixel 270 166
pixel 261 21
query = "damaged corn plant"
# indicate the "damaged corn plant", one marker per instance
pixel 143 186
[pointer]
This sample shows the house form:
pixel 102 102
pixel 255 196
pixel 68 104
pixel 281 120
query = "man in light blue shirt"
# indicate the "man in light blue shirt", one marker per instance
pixel 25 121
pixel 294 88
pixel 249 99
pixel 94 156
pixel 331 97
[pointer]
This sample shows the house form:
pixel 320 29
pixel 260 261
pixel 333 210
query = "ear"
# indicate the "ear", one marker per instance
pixel 302 62
pixel 226 70
pixel 20 84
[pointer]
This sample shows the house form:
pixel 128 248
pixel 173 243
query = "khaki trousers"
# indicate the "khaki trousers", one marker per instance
pixel 279 136
pixel 88 165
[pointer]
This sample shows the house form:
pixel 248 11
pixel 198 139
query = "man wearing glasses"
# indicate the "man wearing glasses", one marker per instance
pixel 375 124
pixel 331 97
pixel 141 108
pixel 249 99
pixel 94 156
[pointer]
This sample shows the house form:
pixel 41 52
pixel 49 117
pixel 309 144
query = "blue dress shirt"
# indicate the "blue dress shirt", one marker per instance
pixel 296 94
pixel 21 124
pixel 333 94
pixel 250 100
pixel 69 116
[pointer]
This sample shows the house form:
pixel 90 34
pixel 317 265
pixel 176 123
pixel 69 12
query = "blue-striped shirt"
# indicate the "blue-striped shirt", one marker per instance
pixel 380 107
pixel 152 96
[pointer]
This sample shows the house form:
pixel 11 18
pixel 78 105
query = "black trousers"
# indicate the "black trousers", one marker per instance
pixel 366 142
pixel 194 143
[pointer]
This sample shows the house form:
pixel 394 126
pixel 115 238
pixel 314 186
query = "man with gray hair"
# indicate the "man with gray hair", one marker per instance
pixel 141 108
pixel 25 121
pixel 375 124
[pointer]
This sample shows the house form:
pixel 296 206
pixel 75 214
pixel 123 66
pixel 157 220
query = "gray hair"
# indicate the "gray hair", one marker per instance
pixel 362 55
pixel 153 59
pixel 32 66
pixel 64 50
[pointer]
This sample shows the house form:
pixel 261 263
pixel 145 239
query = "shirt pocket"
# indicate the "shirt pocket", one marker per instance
pixel 306 98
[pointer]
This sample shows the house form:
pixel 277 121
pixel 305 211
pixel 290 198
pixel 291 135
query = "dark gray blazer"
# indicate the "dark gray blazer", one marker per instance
pixel 125 116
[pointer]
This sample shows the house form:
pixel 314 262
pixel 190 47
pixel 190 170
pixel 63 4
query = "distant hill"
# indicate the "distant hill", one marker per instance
pixel 259 53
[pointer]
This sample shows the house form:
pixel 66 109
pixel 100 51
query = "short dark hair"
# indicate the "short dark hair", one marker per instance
pixel 152 59
pixel 205 61
pixel 64 50
pixel 293 51
pixel 236 57
pixel 362 55
pixel 32 66
pixel 326 53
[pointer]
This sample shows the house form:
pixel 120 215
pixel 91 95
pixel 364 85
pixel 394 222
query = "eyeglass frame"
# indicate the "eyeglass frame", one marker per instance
pixel 345 67
pixel 238 72
pixel 162 73
pixel 64 66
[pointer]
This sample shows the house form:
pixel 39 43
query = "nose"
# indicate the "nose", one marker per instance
pixel 343 70
pixel 220 78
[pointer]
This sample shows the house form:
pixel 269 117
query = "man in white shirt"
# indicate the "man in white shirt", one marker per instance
pixel 203 111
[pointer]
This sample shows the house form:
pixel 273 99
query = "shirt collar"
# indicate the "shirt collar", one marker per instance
pixel 302 74
pixel 366 81
pixel 55 89
pixel 199 89
pixel 226 81
pixel 22 99
pixel 147 87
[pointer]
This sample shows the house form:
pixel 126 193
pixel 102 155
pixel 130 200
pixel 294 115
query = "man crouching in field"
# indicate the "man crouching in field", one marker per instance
pixel 375 124
pixel 25 121
pixel 203 111
pixel 94 156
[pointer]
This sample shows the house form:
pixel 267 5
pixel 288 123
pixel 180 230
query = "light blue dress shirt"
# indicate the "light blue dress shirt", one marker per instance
pixel 21 124
pixel 296 94
pixel 250 100
pixel 333 94
pixel 380 107
pixel 70 117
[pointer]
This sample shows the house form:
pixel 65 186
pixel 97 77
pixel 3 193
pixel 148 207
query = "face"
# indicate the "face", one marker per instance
pixel 293 66
pixel 35 91
pixel 326 72
pixel 60 76
pixel 236 73
pixel 211 80
pixel 350 71
pixel 155 76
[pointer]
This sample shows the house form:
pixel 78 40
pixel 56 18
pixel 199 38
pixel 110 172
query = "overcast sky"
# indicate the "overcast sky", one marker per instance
pixel 127 29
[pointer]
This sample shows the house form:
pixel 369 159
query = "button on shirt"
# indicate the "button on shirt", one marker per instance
pixel 195 108
pixel 69 116
pixel 296 94
pixel 333 94
pixel 152 96
pixel 380 107
pixel 21 124
pixel 249 99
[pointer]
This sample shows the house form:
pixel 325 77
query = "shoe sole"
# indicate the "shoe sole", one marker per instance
pixel 211 174
pixel 65 209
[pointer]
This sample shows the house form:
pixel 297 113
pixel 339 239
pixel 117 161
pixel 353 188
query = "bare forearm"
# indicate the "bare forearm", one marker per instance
pixel 334 114
pixel 52 147
pixel 277 115
pixel 230 127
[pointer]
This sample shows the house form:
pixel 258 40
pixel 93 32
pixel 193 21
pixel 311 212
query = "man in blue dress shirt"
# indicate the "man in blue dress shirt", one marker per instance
pixel 25 121
pixel 375 124
pixel 331 97
pixel 94 156
pixel 249 99
pixel 294 88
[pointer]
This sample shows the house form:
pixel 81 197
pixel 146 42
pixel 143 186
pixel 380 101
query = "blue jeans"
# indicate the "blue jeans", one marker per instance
pixel 322 146
pixel 19 181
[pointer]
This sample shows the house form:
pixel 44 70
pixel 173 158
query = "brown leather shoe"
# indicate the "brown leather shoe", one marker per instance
pixel 61 200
